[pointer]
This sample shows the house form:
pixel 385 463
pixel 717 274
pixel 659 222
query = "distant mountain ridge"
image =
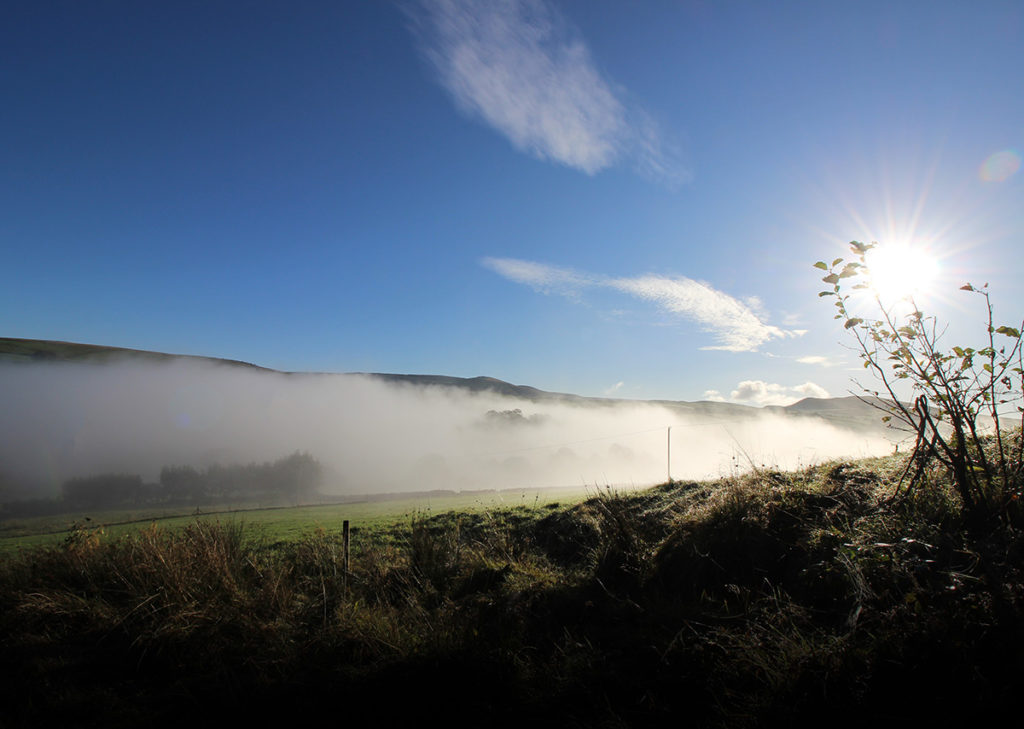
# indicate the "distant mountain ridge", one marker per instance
pixel 848 412
pixel 47 350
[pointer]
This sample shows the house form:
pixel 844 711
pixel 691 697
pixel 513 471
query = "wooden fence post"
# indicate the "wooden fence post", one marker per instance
pixel 344 542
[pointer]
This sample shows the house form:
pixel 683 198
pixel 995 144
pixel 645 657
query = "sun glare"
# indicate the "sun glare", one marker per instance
pixel 901 270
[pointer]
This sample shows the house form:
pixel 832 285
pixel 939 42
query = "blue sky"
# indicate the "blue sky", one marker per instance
pixel 584 196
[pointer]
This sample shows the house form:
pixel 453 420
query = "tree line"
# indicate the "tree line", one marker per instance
pixel 286 480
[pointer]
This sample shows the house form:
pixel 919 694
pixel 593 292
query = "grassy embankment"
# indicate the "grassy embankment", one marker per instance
pixel 766 600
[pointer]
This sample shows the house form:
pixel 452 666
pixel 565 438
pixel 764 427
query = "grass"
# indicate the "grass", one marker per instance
pixel 763 600
pixel 278 523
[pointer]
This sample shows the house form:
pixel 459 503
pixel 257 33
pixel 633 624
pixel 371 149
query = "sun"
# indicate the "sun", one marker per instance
pixel 901 270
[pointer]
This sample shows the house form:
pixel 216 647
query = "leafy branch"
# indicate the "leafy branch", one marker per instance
pixel 956 411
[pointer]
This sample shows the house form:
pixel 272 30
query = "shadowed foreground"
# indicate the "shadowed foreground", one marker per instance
pixel 768 600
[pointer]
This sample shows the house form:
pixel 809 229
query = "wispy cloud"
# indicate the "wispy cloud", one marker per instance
pixel 521 68
pixel 614 389
pixel 736 326
pixel 541 277
pixel 815 359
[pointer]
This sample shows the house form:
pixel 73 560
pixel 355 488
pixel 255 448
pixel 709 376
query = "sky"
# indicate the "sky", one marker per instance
pixel 603 198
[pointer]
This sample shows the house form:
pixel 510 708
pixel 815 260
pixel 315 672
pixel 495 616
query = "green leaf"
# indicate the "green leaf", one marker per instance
pixel 850 323
pixel 822 266
pixel 1009 331
pixel 831 279
pixel 967 287
pixel 827 293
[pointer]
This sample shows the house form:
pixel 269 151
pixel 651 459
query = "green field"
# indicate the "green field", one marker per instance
pixel 278 524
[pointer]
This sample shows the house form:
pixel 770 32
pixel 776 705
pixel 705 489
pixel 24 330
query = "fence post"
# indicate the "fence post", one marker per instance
pixel 344 558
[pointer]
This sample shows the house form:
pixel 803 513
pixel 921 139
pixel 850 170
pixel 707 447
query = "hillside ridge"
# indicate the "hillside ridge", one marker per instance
pixel 849 411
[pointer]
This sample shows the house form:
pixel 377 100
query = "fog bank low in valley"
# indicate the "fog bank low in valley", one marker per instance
pixel 62 420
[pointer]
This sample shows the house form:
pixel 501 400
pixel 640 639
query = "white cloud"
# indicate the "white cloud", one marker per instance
pixel 614 389
pixel 759 392
pixel 713 396
pixel 756 305
pixel 655 157
pixel 810 389
pixel 522 69
pixel 816 360
pixel 732 322
pixel 540 277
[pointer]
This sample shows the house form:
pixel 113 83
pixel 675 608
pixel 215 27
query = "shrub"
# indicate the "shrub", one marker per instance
pixel 955 390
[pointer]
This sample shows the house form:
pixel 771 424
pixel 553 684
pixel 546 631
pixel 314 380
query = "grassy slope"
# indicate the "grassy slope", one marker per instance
pixel 775 599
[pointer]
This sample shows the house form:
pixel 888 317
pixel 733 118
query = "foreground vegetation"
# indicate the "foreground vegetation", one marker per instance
pixel 763 600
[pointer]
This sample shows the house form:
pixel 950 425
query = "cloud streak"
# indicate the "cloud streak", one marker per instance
pixel 522 69
pixel 815 360
pixel 736 325
pixel 541 277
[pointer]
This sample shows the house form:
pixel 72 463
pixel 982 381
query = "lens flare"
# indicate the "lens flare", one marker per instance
pixel 1000 166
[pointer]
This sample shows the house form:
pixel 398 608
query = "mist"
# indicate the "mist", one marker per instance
pixel 63 420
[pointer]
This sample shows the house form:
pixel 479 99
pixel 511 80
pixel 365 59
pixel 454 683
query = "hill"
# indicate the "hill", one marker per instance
pixel 27 351
pixel 847 412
